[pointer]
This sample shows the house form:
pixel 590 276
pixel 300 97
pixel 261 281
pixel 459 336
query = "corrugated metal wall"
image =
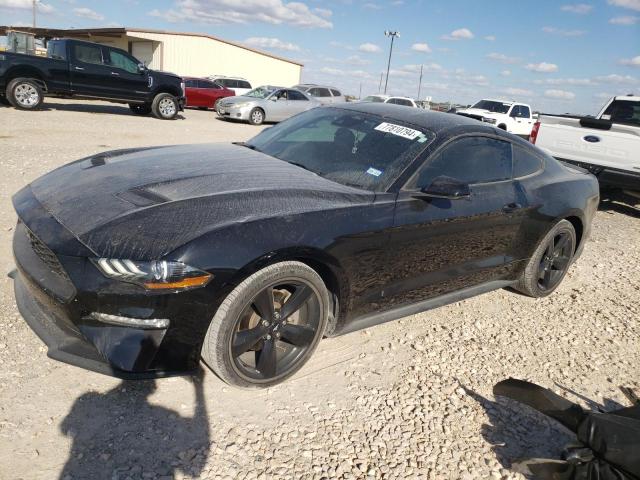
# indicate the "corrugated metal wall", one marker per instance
pixel 201 56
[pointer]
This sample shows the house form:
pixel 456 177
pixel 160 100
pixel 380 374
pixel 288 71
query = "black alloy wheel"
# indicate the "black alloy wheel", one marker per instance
pixel 555 261
pixel 275 330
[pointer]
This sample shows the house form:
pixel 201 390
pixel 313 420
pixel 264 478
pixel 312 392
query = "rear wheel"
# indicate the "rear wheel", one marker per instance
pixel 165 106
pixel 550 262
pixel 140 109
pixel 268 326
pixel 24 93
pixel 256 116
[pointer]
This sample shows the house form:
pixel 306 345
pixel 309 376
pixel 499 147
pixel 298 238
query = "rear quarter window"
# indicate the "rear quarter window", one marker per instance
pixel 243 84
pixel 525 162
pixel 336 93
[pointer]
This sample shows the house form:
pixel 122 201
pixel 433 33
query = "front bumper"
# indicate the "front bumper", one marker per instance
pixel 234 113
pixel 57 293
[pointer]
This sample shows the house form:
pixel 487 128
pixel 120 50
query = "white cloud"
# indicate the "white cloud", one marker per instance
pixel 323 12
pixel 559 94
pixel 369 48
pixel 271 43
pixel 371 6
pixel 224 12
pixel 357 60
pixel 26 5
pixel 490 38
pixel 421 47
pixel 502 58
pixel 505 73
pixel 563 33
pixel 624 20
pixel 579 8
pixel 459 34
pixel 617 79
pixel 632 62
pixel 565 81
pixel 542 67
pixel 84 12
pixel 337 72
pixel 631 4
pixel 518 92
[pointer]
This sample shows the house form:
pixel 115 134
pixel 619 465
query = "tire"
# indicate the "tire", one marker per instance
pixel 256 116
pixel 140 109
pixel 240 365
pixel 25 94
pixel 546 262
pixel 165 106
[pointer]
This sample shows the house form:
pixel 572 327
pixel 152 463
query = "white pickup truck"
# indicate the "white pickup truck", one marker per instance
pixel 607 145
pixel 514 117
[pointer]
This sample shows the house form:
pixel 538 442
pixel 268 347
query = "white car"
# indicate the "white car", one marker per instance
pixel 608 145
pixel 405 101
pixel 514 117
pixel 325 95
pixel 239 85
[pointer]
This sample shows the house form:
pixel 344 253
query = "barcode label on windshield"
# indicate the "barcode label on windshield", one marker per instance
pixel 399 130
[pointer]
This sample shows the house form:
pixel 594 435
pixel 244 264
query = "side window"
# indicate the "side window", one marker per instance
pixel 243 84
pixel 296 95
pixel 225 83
pixel 122 61
pixel 524 162
pixel 88 54
pixel 314 92
pixel 406 103
pixel 233 84
pixel 526 113
pixel 392 101
pixel 623 111
pixel 57 51
pixel 205 84
pixel 324 92
pixel 515 111
pixel 190 84
pixel 336 93
pixel 471 160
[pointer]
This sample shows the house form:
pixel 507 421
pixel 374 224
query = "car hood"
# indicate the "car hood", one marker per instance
pixel 479 111
pixel 241 99
pixel 145 203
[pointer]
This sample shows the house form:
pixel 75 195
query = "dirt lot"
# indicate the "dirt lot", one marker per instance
pixel 409 399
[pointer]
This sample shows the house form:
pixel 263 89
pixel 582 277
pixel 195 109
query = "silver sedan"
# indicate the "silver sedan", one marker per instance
pixel 266 104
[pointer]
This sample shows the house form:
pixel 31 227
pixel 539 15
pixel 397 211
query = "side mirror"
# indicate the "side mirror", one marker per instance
pixel 142 68
pixel 446 187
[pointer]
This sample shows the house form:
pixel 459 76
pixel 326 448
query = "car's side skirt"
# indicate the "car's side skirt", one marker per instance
pixel 377 318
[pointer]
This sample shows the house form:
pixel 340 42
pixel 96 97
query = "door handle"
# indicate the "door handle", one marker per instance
pixel 78 68
pixel 115 73
pixel 511 207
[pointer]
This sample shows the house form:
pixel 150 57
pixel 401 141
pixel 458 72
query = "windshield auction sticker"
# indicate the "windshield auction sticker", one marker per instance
pixel 399 130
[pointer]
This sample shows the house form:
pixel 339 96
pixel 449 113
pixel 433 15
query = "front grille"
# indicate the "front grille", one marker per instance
pixel 46 255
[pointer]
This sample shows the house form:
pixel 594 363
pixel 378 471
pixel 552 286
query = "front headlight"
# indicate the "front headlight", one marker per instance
pixel 154 275
pixel 489 120
pixel 239 105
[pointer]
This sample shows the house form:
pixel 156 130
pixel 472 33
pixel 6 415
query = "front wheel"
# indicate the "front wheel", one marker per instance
pixel 268 326
pixel 24 94
pixel 256 116
pixel 165 106
pixel 550 262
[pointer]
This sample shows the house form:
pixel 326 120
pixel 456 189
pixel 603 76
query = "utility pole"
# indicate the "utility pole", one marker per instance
pixel 360 93
pixel 420 82
pixel 380 84
pixel 393 35
pixel 34 4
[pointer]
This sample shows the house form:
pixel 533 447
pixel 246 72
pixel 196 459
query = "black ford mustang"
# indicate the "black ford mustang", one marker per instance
pixel 138 263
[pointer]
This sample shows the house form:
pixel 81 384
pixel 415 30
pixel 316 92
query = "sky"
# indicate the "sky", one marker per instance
pixel 558 56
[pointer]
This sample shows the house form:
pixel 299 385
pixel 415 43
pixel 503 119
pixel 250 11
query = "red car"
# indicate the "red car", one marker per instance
pixel 203 93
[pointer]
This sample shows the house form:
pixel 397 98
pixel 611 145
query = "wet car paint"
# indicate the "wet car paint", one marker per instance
pixel 231 211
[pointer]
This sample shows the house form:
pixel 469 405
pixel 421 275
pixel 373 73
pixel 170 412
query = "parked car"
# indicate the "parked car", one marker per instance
pixel 376 98
pixel 323 94
pixel 239 85
pixel 513 117
pixel 404 101
pixel 266 104
pixel 85 70
pixel 203 93
pixel 246 255
pixel 607 145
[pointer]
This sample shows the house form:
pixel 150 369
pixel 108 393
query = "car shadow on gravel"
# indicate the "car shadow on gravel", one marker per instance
pixel 517 432
pixel 115 109
pixel 121 435
pixel 620 203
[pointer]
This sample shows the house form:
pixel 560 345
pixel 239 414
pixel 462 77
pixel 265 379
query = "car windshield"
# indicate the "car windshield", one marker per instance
pixel 496 107
pixel 348 147
pixel 260 92
pixel 373 98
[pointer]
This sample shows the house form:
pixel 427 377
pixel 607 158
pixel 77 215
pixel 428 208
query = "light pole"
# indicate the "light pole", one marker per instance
pixel 393 35
pixel 34 8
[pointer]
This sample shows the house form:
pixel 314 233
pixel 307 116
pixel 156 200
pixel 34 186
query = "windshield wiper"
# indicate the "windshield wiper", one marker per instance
pixel 302 166
pixel 250 147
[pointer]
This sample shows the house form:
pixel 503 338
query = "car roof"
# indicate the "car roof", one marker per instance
pixel 224 77
pixel 315 85
pixel 402 98
pixel 429 119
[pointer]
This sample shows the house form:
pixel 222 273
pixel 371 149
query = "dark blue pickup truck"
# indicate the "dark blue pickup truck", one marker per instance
pixel 85 70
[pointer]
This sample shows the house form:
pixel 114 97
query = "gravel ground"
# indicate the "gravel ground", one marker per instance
pixel 409 399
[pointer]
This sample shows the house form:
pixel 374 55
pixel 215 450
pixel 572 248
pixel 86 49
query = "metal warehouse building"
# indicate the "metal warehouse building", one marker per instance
pixel 187 54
